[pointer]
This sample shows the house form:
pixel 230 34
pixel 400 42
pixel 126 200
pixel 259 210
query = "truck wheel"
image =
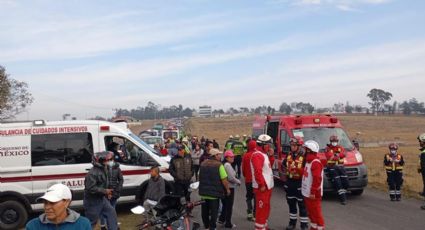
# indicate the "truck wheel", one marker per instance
pixel 12 215
pixel 357 192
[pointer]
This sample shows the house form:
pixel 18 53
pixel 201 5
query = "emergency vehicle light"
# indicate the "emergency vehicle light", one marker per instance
pixel 334 120
pixel 38 122
pixel 298 121
pixel 104 128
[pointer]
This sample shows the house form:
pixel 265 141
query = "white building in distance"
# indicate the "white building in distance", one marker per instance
pixel 205 111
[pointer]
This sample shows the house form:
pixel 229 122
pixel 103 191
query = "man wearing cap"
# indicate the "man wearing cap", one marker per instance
pixel 181 169
pixel 213 185
pixel 56 214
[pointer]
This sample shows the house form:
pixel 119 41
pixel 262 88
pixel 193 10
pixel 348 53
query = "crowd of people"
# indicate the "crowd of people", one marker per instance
pixel 219 174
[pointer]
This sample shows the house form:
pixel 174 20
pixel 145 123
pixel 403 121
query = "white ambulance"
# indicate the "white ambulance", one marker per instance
pixel 34 155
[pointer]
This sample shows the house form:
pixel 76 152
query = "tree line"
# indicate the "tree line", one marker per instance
pixel 154 111
pixel 15 98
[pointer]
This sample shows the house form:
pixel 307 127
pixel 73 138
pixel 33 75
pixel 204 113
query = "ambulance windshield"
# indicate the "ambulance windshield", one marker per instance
pixel 321 135
pixel 144 144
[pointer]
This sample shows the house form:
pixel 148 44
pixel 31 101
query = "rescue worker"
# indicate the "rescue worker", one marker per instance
pixel 421 169
pixel 335 155
pixel 247 174
pixel 312 185
pixel 245 142
pixel 238 150
pixel 294 164
pixel 393 163
pixel 229 142
pixel 262 180
pixel 185 143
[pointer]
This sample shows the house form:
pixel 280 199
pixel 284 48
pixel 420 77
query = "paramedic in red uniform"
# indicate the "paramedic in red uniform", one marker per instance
pixel 247 174
pixel 312 185
pixel 294 164
pixel 335 165
pixel 262 180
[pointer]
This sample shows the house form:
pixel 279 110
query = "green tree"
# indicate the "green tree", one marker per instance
pixel 378 98
pixel 14 96
pixel 285 108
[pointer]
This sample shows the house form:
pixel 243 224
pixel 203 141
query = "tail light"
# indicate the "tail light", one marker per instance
pixel 334 120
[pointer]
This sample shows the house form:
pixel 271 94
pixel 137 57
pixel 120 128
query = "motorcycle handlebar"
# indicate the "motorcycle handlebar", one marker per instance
pixel 196 203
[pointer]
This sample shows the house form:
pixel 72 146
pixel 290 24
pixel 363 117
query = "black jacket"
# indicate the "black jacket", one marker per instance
pixel 116 180
pixel 422 160
pixel 96 181
pixel 181 168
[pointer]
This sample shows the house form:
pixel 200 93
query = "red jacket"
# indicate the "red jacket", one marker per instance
pixel 164 152
pixel 316 171
pixel 246 159
pixel 335 155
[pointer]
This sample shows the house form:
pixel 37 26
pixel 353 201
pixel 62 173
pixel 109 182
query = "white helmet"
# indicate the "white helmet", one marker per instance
pixel 421 137
pixel 264 139
pixel 237 136
pixel 312 145
pixel 231 137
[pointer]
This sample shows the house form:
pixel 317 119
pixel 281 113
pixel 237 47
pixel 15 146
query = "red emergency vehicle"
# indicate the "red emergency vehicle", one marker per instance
pixel 312 127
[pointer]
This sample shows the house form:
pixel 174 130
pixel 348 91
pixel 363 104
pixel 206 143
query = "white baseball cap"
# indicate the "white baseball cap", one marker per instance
pixel 57 192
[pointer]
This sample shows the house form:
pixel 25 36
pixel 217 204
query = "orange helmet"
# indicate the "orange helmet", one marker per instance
pixel 333 138
pixel 393 146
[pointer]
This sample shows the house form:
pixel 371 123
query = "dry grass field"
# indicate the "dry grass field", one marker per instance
pixel 374 131
pixel 377 131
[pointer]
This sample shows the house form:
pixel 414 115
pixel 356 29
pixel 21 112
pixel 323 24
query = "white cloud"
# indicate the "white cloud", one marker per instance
pixel 344 5
pixel 74 38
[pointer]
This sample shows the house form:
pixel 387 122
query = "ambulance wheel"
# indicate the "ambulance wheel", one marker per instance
pixel 357 192
pixel 13 215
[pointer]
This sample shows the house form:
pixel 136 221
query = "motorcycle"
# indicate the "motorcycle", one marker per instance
pixel 170 213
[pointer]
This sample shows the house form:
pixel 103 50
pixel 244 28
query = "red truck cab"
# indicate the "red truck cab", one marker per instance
pixel 312 127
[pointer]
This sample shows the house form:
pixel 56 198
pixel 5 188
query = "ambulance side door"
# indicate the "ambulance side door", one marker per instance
pixel 61 158
pixel 135 163
pixel 278 170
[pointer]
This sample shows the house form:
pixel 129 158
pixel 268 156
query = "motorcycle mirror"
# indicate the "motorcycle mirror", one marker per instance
pixel 194 185
pixel 138 210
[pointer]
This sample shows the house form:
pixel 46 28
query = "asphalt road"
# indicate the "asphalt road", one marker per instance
pixel 371 210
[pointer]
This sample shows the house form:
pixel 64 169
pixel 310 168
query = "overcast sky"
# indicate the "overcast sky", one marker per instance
pixel 88 57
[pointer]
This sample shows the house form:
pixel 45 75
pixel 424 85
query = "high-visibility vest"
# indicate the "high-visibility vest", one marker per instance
pixel 294 166
pixel 392 165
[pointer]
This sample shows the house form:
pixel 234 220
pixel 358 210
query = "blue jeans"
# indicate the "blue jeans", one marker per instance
pixel 113 202
pixel 96 207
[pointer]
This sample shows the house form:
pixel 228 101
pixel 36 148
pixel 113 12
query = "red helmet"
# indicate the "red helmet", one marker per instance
pixel 297 140
pixel 393 146
pixel 101 157
pixel 333 138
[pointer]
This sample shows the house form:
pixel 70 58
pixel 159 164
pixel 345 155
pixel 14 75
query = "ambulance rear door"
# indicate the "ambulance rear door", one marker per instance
pixel 15 159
